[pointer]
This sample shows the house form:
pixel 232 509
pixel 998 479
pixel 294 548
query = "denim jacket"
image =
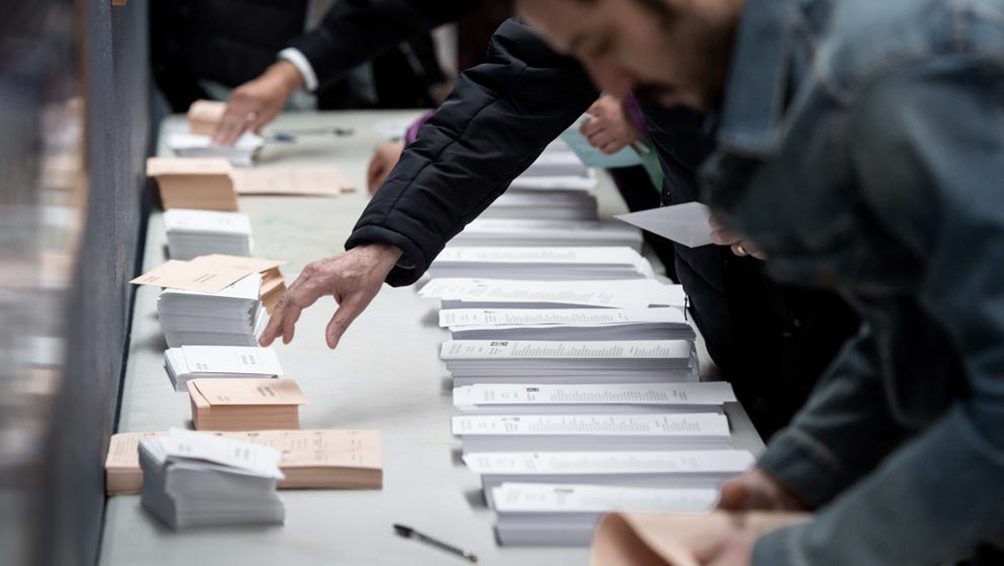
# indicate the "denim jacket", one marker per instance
pixel 861 143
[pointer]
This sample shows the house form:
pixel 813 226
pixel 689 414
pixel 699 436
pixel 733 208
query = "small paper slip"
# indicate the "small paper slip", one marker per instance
pixel 592 156
pixel 543 317
pixel 686 224
pixel 254 458
pixel 193 183
pixel 164 166
pixel 185 275
pixel 319 180
pixel 231 360
pixel 241 154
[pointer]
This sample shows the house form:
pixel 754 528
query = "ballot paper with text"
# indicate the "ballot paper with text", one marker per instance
pixel 541 263
pixel 233 316
pixel 502 293
pixel 610 398
pixel 188 276
pixel 241 154
pixel 245 404
pixel 567 324
pixel 555 433
pixel 220 362
pixel 192 233
pixel 659 468
pixel 531 514
pixel 307 180
pixel 687 224
pixel 523 232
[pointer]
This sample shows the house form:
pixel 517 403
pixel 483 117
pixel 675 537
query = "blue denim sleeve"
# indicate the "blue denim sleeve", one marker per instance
pixel 927 144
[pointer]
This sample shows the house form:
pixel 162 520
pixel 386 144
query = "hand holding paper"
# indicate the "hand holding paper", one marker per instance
pixel 715 539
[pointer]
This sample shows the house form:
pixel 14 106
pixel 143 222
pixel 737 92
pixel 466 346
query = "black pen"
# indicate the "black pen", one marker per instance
pixel 408 532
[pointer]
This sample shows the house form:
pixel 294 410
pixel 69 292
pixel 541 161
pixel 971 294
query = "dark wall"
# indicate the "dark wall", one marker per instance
pixel 98 315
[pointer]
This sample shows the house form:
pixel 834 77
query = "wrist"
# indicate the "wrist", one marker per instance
pixel 381 256
pixel 286 74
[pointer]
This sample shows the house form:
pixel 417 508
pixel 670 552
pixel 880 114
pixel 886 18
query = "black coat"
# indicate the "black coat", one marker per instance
pixel 771 342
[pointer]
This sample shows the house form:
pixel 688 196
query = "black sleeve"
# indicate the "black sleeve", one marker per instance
pixel 498 119
pixel 354 31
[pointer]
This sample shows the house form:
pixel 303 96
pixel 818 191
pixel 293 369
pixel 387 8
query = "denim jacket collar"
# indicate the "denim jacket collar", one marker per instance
pixel 752 112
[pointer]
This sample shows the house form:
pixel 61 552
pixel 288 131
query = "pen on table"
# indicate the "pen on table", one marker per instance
pixel 289 135
pixel 408 532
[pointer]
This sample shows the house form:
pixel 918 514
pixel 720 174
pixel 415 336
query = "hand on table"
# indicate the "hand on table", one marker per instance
pixel 384 159
pixel 755 490
pixel 740 247
pixel 257 102
pixel 352 278
pixel 609 129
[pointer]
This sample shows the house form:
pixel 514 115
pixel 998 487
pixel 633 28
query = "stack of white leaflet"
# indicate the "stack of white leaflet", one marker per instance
pixel 606 398
pixel 541 263
pixel 192 233
pixel 221 362
pixel 567 324
pixel 604 433
pixel 565 515
pixel 231 317
pixel 457 293
pixel 544 204
pixel 667 469
pixel 193 479
pixel 556 362
pixel 518 232
pixel 241 154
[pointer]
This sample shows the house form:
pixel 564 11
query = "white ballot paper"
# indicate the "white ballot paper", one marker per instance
pixel 686 224
pixel 500 293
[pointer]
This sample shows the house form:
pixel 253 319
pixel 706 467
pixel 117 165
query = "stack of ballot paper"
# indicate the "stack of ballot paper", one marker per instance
pixel 567 324
pixel 565 515
pixel 557 362
pixel 192 479
pixel 457 293
pixel 219 362
pixel 593 399
pixel 204 115
pixel 668 469
pixel 272 281
pixel 245 404
pixel 555 433
pixel 193 183
pixel 311 459
pixel 241 154
pixel 231 317
pixel 312 180
pixel 544 204
pixel 541 263
pixel 516 232
pixel 192 233
pixel 532 182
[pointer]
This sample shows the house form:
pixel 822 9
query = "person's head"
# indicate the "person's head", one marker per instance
pixel 676 51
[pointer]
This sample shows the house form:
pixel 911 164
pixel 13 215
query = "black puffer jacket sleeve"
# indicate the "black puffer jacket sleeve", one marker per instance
pixel 354 31
pixel 498 119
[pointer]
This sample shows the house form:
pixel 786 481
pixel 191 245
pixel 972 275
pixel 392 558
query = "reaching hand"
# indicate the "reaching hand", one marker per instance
pixel 257 102
pixel 755 490
pixel 740 247
pixel 384 159
pixel 352 278
pixel 609 130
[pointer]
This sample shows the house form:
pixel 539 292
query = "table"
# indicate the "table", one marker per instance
pixel 385 375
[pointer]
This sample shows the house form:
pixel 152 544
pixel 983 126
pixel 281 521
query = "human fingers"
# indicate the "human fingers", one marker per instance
pixel 591 127
pixel 613 147
pixel 348 310
pixel 375 172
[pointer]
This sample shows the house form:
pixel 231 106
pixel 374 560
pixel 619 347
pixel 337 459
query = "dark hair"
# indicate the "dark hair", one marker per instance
pixel 657 7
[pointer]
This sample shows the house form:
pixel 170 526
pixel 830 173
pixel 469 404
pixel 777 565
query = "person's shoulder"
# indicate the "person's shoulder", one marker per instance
pixel 867 40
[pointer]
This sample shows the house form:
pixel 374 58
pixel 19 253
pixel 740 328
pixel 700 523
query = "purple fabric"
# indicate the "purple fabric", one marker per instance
pixel 635 115
pixel 412 132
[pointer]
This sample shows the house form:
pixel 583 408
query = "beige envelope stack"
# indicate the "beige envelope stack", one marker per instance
pixel 204 115
pixel 245 404
pixel 311 459
pixel 201 183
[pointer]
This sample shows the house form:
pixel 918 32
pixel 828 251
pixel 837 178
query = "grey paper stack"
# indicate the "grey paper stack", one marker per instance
pixel 193 479
pixel 231 317
pixel 192 233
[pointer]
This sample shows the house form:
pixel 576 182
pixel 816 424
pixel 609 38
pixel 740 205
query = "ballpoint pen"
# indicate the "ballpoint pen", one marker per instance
pixel 290 134
pixel 408 532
